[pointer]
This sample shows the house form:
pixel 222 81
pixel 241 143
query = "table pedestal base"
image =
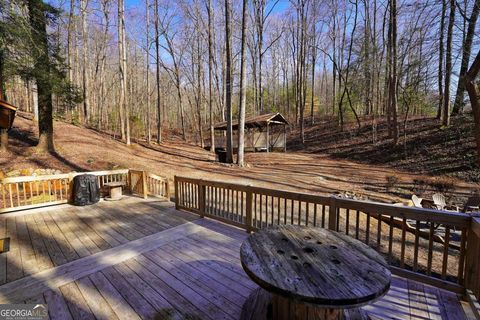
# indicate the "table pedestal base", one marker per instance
pixel 263 305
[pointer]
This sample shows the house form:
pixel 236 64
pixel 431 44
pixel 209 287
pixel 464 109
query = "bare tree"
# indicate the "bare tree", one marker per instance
pixel 466 50
pixel 243 89
pixel 448 66
pixel 228 81
pixel 122 63
pixel 157 72
pixel 210 74
pixel 85 78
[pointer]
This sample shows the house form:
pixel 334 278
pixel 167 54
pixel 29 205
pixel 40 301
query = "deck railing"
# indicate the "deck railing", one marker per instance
pixel 28 192
pixel 436 247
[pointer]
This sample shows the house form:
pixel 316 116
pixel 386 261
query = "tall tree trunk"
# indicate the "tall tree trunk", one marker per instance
pixel 42 68
pixel 210 75
pixel 157 73
pixel 123 72
pixel 466 50
pixel 393 83
pixel 243 89
pixel 448 66
pixel 228 81
pixel 440 60
pixel 149 111
pixel 85 79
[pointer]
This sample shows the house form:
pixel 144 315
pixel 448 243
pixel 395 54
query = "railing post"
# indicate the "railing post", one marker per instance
pixel 167 189
pixel 144 185
pixel 175 185
pixel 248 211
pixel 332 214
pixel 201 198
pixel 472 259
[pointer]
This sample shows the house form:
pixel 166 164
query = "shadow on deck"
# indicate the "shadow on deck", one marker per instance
pixel 143 259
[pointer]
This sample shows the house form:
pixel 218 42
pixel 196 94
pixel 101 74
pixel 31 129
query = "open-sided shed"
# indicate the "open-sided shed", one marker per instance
pixel 266 132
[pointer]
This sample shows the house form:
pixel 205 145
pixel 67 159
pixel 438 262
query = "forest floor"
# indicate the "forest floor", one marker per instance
pixel 331 163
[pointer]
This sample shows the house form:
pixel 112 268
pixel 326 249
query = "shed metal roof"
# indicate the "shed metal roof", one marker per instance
pixel 260 121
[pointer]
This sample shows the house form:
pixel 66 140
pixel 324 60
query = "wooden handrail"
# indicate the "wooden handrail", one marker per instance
pixel 27 192
pixel 407 236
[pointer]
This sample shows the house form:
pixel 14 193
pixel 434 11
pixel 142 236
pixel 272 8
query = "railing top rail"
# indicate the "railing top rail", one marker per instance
pixel 454 219
pixel 299 196
pixel 60 176
pixel 457 219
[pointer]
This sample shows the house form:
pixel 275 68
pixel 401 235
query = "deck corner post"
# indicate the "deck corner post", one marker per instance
pixel 175 185
pixel 332 214
pixel 248 211
pixel 201 199
pixel 472 258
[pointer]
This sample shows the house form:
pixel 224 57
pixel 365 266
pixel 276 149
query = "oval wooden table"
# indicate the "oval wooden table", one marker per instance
pixel 310 273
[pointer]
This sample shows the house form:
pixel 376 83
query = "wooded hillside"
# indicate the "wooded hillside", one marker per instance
pixel 139 67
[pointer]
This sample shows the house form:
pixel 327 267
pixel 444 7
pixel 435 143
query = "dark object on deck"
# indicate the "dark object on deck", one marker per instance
pixel 312 273
pixel 7 114
pixel 221 155
pixel 85 190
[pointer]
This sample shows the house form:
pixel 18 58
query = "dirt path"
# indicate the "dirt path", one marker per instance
pixel 81 149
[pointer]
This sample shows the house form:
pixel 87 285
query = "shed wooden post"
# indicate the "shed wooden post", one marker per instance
pixel 212 143
pixel 284 138
pixel 267 142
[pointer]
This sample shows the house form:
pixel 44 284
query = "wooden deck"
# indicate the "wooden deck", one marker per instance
pixel 143 259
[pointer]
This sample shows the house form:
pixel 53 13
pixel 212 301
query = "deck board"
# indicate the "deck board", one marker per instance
pixel 141 259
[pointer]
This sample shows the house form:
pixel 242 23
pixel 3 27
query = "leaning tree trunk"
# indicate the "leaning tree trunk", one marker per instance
pixel 3 132
pixel 474 95
pixel 466 50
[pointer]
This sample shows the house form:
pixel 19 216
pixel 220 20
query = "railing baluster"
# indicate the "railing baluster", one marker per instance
pixel 430 249
pixel 415 247
pixel 278 210
pixel 402 243
pixel 357 224
pixel 347 221
pixel 461 260
pixel 367 231
pixel 323 216
pixel 390 239
pixel 445 252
